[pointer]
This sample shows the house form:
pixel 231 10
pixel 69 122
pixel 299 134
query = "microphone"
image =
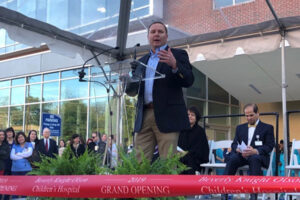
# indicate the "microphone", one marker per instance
pixel 134 64
pixel 81 74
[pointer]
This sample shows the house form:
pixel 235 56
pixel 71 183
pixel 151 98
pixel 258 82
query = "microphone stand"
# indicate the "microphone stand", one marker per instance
pixel 81 76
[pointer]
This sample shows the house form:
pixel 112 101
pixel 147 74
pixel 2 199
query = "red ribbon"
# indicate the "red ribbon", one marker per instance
pixel 129 186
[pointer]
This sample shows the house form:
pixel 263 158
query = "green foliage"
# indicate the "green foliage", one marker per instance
pixel 90 164
pixel 129 164
pixel 68 164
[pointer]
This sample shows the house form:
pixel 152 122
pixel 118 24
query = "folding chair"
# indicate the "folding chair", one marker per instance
pixel 293 165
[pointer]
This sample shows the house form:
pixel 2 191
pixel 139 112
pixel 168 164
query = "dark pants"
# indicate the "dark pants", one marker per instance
pixel 18 174
pixel 236 160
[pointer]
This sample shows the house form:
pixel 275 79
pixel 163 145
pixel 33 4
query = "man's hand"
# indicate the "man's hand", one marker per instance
pixel 249 152
pixel 167 57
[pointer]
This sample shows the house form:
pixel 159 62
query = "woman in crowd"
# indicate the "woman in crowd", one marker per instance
pixel 20 151
pixel 61 147
pixel 33 138
pixel 4 152
pixel 10 139
pixel 193 141
pixel 76 147
pixel 90 140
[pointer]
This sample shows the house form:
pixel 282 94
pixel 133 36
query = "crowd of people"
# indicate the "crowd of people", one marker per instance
pixel 18 152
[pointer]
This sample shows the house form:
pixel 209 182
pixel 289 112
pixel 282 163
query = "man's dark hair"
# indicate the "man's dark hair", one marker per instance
pixel 158 22
pixel 281 142
pixel 194 110
pixel 12 130
pixel 17 136
pixel 97 134
pixel 253 105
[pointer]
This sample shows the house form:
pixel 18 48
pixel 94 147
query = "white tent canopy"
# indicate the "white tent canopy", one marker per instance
pixel 250 69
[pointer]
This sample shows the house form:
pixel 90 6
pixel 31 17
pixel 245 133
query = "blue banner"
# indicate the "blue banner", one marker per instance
pixel 53 122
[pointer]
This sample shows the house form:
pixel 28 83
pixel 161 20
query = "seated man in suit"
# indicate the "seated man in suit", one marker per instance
pixel 47 146
pixel 259 138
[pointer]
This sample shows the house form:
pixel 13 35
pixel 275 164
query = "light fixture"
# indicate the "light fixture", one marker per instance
pixel 254 88
pixel 200 57
pixel 239 51
pixel 101 9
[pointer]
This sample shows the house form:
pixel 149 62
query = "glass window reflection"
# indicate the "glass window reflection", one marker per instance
pixel 33 93
pixel 16 117
pixel 235 120
pixel 74 117
pixel 97 114
pixel 18 81
pixel 51 108
pixel 4 97
pixel 17 95
pixel 51 76
pixel 34 79
pixel 72 73
pixel 198 89
pixel 32 117
pixel 217 93
pixel 27 8
pixel 4 83
pixel 223 3
pixel 97 89
pixel 234 101
pixel 50 91
pixel 218 109
pixel 57 13
pixel 71 89
pixel 3 118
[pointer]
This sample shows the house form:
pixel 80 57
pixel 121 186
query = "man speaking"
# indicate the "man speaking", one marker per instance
pixel 161 111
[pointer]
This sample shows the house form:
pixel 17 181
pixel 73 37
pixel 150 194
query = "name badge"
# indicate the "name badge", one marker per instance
pixel 258 143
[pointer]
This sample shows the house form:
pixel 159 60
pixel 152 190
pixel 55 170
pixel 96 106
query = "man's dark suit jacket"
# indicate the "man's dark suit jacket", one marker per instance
pixel 169 106
pixel 264 132
pixel 52 149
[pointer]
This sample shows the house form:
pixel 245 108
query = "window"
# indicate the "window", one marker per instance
pixel 224 3
pixel 33 93
pixel 51 91
pixel 69 86
pixel 16 118
pixel 3 118
pixel 198 89
pixel 32 117
pixel 74 117
pixel 216 92
pixel 98 109
pixel 218 109
pixel 17 95
pixel 4 97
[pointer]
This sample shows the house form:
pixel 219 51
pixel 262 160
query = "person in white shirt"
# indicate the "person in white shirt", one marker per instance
pixel 259 138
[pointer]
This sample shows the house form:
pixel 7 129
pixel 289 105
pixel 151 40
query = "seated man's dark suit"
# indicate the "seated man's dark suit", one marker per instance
pixel 264 133
pixel 51 151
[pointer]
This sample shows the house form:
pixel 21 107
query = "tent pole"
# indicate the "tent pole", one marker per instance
pixel 284 113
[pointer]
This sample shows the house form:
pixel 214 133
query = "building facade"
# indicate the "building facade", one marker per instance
pixel 47 82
